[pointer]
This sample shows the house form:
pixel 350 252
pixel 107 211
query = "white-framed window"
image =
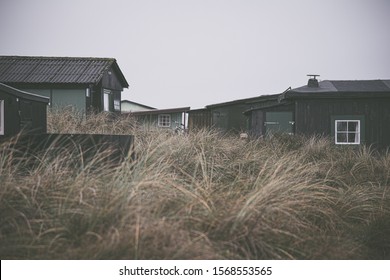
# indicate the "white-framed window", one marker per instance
pixel 106 100
pixel 164 120
pixel 88 92
pixel 1 117
pixel 117 105
pixel 347 132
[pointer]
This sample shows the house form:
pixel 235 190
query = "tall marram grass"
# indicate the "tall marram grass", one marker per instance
pixel 198 196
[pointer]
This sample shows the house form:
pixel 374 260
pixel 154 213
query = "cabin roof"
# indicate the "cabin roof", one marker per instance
pixel 23 94
pixel 135 103
pixel 57 70
pixel 345 86
pixel 160 111
pixel 250 100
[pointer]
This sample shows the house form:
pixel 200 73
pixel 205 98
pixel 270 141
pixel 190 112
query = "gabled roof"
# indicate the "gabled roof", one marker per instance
pixel 57 70
pixel 23 94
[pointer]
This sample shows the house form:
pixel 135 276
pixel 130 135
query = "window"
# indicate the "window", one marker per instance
pixel 164 120
pixel 106 99
pixel 1 117
pixel 87 92
pixel 117 105
pixel 347 132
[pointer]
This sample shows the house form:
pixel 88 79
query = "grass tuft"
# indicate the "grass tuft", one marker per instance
pixel 197 196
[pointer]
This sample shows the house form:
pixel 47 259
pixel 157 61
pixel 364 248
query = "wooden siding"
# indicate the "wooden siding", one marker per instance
pixel 23 115
pixel 256 123
pixel 199 119
pixel 150 121
pixel 314 117
pixel 111 81
pixel 83 147
pixel 230 118
pixel 257 118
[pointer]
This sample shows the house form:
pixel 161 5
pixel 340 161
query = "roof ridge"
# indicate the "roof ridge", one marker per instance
pixel 58 57
pixel 357 80
pixel 84 69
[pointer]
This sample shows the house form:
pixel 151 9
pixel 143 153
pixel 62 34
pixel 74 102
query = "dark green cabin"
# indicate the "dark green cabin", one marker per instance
pixel 227 116
pixel 21 111
pixel 86 83
pixel 350 112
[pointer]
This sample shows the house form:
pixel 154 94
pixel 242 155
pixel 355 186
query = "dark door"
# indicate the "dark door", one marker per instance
pixel 25 111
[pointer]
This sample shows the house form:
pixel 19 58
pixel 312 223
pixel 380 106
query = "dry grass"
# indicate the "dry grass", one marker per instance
pixel 197 196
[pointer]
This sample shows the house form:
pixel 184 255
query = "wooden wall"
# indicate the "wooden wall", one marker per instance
pixel 314 117
pixel 23 115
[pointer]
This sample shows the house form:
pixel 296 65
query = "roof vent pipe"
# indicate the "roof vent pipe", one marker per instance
pixel 313 82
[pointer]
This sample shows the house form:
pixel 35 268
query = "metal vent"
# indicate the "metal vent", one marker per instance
pixel 313 82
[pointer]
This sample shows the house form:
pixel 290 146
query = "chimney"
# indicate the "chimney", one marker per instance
pixel 313 82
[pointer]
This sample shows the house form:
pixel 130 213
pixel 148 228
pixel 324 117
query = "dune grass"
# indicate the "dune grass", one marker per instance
pixel 198 196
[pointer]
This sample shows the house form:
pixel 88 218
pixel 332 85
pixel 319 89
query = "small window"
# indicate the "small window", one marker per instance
pixel 117 105
pixel 347 132
pixel 1 117
pixel 106 99
pixel 164 120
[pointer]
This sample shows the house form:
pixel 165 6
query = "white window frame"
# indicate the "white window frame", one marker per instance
pixel 356 134
pixel 1 117
pixel 164 120
pixel 106 100
pixel 117 105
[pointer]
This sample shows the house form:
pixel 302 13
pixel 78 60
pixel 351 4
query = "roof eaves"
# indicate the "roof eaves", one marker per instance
pixel 24 94
pixel 279 104
pixel 122 78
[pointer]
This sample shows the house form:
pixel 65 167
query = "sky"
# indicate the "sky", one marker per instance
pixel 193 53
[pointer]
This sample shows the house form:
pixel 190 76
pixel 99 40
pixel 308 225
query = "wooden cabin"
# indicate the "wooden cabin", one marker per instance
pixel 350 112
pixel 86 83
pixel 227 116
pixel 162 119
pixel 21 111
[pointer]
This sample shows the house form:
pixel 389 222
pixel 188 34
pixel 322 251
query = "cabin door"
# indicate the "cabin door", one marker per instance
pixel 25 113
pixel 279 122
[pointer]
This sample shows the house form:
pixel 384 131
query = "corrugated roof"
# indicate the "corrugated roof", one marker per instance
pixel 64 70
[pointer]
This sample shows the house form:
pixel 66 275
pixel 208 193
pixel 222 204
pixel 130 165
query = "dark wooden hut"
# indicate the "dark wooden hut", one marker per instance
pixel 227 116
pixel 350 112
pixel 21 111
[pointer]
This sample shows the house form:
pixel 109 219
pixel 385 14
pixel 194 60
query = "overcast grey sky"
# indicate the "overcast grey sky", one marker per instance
pixel 193 53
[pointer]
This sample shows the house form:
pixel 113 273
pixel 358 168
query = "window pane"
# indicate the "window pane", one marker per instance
pixel 164 120
pixel 106 102
pixel 342 126
pixel 342 137
pixel 352 137
pixel 347 132
pixel 352 126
